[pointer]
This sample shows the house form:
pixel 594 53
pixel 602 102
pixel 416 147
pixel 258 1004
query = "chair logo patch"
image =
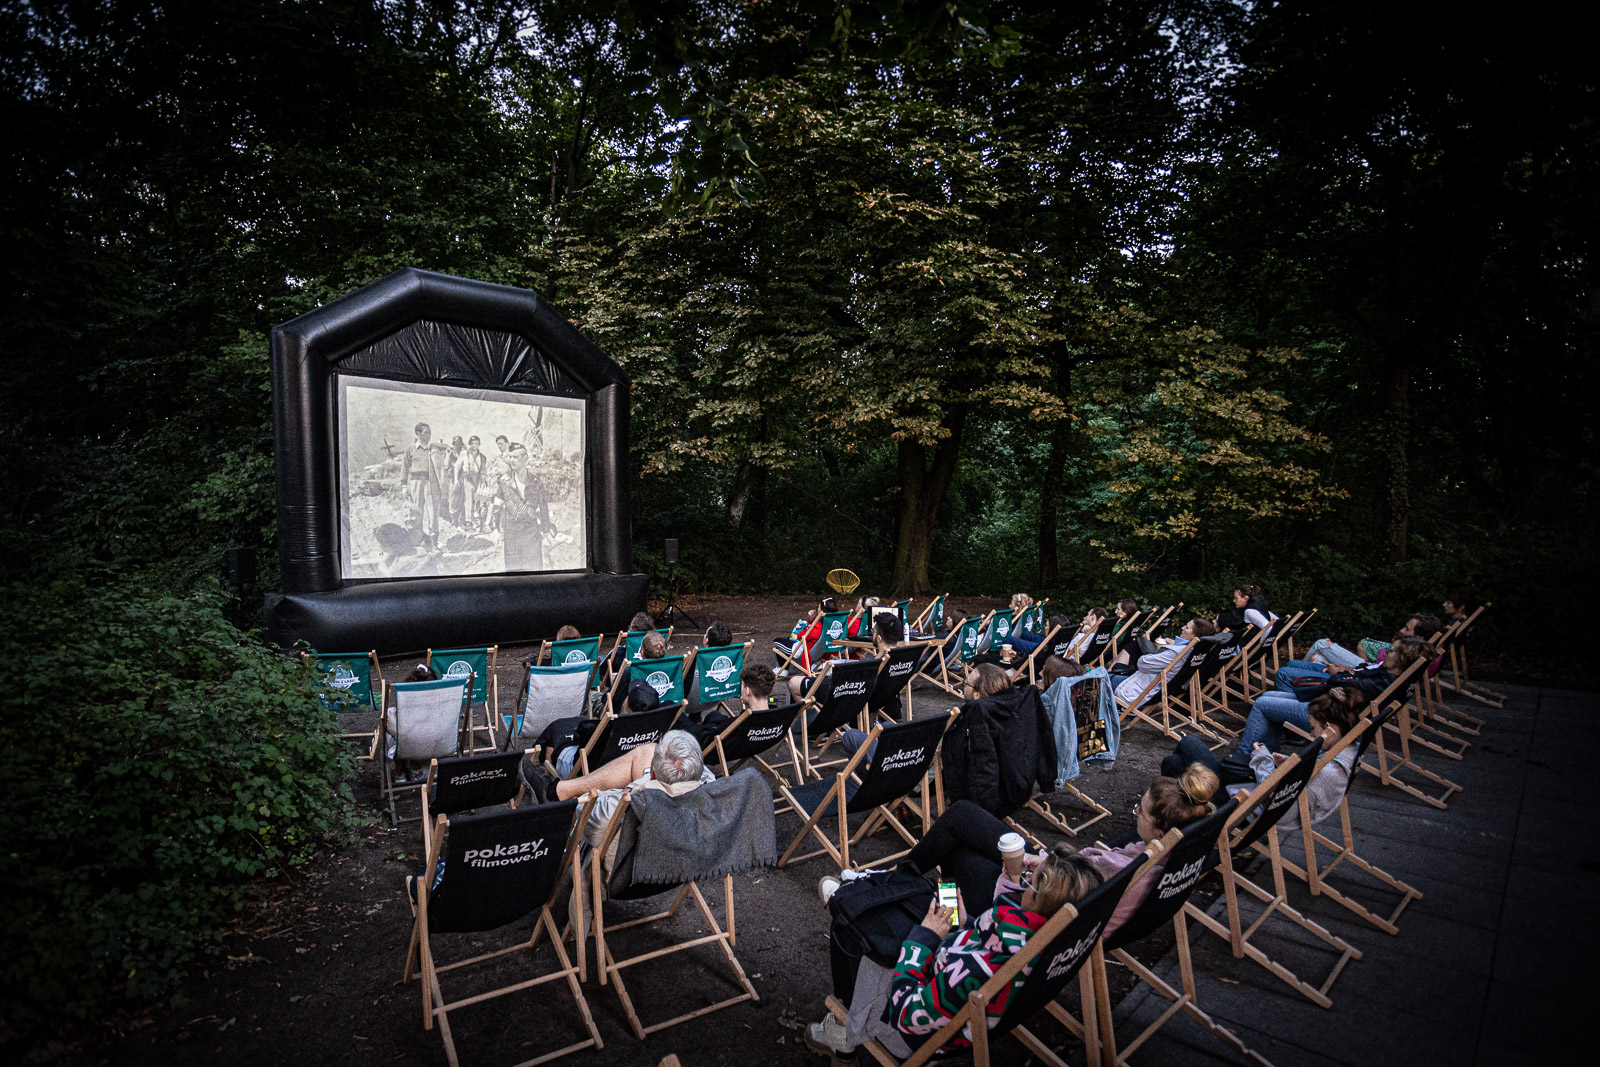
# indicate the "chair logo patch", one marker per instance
pixel 503 855
pixel 473 777
pixel 659 681
pixel 903 668
pixel 849 689
pixel 459 669
pixel 766 733
pixel 649 737
pixel 342 678
pixel 575 656
pixel 835 630
pixel 720 668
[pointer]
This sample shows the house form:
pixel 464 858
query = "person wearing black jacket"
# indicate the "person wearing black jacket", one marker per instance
pixel 1001 747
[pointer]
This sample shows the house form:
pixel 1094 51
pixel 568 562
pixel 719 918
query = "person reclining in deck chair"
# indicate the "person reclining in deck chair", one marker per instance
pixel 567 735
pixel 1249 609
pixel 1272 709
pixel 638 624
pixel 941 962
pixel 755 694
pixel 1086 631
pixel 1332 715
pixel 653 646
pixel 718 635
pixel 1001 749
pixel 1026 644
pixel 1153 663
pixel 804 633
pixel 1326 653
pixel 1125 649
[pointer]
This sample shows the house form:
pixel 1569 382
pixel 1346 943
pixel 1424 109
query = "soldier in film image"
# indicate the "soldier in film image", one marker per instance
pixel 444 481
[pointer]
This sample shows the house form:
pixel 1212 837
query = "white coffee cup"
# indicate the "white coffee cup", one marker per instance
pixel 1011 846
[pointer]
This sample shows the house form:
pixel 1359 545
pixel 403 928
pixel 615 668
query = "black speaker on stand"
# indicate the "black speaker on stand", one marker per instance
pixel 671 613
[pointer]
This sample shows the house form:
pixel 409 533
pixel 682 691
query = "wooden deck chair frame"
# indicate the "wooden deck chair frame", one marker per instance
pixel 829 718
pixel 1099 643
pixel 1121 630
pixel 739 728
pixel 1316 871
pixel 1211 693
pixel 1237 666
pixel 894 681
pixel 419 956
pixel 491 688
pixel 1451 723
pixel 1387 765
pixel 589 755
pixel 1185 696
pixel 798 658
pixel 691 672
pixel 1043 809
pixel 1460 681
pixel 1282 634
pixel 1032 663
pixel 374 689
pixel 1275 794
pixel 1054 955
pixel 515 723
pixel 504 786
pixel 1129 711
pixel 921 621
pixel 547 655
pixel 1428 724
pixel 1183 855
pixel 1153 630
pixel 388 788
pixel 937 667
pixel 836 802
pixel 610 968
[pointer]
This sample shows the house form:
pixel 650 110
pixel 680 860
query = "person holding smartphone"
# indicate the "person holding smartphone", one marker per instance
pixel 948 955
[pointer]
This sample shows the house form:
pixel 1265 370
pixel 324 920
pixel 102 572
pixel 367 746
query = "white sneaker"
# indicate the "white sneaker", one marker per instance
pixel 850 874
pixel 827 1038
pixel 827 886
pixel 784 673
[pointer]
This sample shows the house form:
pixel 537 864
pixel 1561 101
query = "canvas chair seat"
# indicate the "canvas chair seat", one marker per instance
pixel 752 735
pixel 349 682
pixel 1053 956
pixel 902 756
pixel 839 695
pixel 716 802
pixel 1392 707
pixel 893 682
pixel 479 665
pixel 617 734
pixel 469 783
pixel 931 620
pixel 945 662
pixel 497 868
pixel 714 673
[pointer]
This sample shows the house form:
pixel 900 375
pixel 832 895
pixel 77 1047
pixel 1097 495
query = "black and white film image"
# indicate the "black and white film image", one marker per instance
pixel 440 481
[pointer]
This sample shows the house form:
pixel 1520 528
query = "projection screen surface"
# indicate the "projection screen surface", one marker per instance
pixel 441 481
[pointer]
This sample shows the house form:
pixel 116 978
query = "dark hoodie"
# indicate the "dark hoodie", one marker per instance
pixel 998 750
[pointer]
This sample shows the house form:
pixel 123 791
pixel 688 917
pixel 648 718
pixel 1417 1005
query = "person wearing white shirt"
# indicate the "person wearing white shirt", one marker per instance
pixel 1153 664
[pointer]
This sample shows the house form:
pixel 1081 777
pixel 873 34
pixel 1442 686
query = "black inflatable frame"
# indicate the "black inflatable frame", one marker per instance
pixel 419 326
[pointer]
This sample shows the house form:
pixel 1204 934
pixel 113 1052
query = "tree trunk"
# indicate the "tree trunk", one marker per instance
pixel 922 490
pixel 1397 407
pixel 1050 506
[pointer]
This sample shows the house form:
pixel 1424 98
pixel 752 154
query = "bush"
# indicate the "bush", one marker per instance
pixel 162 768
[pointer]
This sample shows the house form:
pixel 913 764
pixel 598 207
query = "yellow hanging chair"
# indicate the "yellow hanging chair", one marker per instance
pixel 841 580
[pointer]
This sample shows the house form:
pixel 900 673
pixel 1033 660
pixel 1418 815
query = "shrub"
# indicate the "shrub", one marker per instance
pixel 161 769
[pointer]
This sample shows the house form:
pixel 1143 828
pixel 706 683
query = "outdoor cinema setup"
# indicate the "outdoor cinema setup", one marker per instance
pixel 451 457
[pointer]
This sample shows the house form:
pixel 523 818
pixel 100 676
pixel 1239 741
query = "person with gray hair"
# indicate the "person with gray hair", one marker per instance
pixel 673 764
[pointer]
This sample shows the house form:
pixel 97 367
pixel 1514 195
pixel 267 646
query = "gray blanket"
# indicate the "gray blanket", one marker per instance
pixel 723 827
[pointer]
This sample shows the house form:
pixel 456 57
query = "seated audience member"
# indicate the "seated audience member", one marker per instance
pixel 1331 715
pixel 1287 703
pixel 566 735
pixel 1125 609
pixel 1086 631
pixel 1026 644
pixel 803 636
pixel 638 624
pixel 402 768
pixel 1249 609
pixel 1327 653
pixel 568 632
pixel 674 764
pixel 755 694
pixel 654 646
pixel 863 616
pixel 1055 668
pixel 942 964
pixel 1154 663
pixel 1459 604
pixel 1169 803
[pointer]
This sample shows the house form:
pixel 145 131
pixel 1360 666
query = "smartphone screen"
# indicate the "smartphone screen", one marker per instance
pixel 947 899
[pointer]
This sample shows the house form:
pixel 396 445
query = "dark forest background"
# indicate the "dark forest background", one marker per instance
pixel 1083 298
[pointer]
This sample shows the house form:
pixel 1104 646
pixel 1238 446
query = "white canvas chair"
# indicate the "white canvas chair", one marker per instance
pixel 547 694
pixel 429 722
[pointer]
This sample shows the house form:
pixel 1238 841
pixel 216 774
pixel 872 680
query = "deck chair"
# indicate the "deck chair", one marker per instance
pixel 347 682
pixel 665 675
pixel 573 650
pixel 931 621
pixel 893 683
pixel 1459 681
pixel 945 665
pixel 617 734
pixel 547 694
pixel 751 736
pixel 1125 631
pixel 1231 683
pixel 997 631
pixel 1204 697
pixel 1389 765
pixel 903 608
pixel 1083 720
pixel 627 643
pixel 1156 694
pixel 1033 665
pixel 905 752
pixel 430 721
pixel 1032 620
pixel 625 824
pixel 1053 956
pixel 1274 797
pixel 714 673
pixel 495 869
pixel 1279 648
pixel 1094 654
pixel 478 663
pixel 1184 857
pixel 809 659
pixel 467 783
pixel 1316 871
pixel 840 697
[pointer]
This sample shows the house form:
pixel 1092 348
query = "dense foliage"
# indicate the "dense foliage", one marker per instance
pixel 1089 298
pixel 161 773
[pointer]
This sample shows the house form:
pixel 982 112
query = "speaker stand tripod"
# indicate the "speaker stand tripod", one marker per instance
pixel 671 613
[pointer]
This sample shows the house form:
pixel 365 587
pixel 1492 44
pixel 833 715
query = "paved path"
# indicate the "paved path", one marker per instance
pixel 1489 966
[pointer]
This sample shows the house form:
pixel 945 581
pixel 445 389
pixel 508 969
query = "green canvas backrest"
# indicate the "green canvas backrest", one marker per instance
pixel 460 662
pixel 999 628
pixel 716 672
pixel 1032 621
pixel 967 641
pixel 577 650
pixel 835 628
pixel 636 637
pixel 665 676
pixel 348 674
pixel 936 615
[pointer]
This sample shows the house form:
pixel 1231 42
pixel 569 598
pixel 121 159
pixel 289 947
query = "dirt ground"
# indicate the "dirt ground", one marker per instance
pixel 316 976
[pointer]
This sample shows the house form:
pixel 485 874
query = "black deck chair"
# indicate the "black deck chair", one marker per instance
pixel 1389 764
pixel 1054 642
pixel 894 682
pixel 469 783
pixel 617 734
pixel 1053 957
pixel 839 696
pixel 905 753
pixel 1185 857
pixel 752 735
pixel 496 869
pixel 1100 643
pixel 1193 698
pixel 1274 797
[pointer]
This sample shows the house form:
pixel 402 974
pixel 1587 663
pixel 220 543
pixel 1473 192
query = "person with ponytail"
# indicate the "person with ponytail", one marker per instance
pixel 1169 803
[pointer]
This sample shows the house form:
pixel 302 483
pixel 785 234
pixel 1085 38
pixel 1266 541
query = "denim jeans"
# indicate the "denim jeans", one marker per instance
pixel 1297 668
pixel 1334 653
pixel 852 740
pixel 1267 716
